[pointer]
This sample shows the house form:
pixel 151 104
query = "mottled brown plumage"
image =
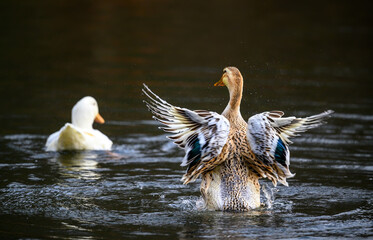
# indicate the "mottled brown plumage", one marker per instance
pixel 233 176
pixel 229 154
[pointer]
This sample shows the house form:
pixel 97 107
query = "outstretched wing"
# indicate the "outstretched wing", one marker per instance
pixel 268 135
pixel 202 134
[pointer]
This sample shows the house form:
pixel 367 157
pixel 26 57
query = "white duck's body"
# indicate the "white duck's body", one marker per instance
pixel 70 137
pixel 79 135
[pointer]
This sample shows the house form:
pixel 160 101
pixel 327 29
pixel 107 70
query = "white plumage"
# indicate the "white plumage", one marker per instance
pixel 79 135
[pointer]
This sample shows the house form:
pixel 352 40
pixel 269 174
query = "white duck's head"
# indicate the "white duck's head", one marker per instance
pixel 84 112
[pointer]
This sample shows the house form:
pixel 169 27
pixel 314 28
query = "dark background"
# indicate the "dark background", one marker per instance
pixel 55 52
pixel 301 57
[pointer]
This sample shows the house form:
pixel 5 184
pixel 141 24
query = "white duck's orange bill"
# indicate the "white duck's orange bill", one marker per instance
pixel 99 119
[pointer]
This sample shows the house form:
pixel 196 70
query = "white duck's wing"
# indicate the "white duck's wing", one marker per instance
pixel 202 134
pixel 67 138
pixel 71 138
pixel 268 136
pixel 51 144
pixel 96 140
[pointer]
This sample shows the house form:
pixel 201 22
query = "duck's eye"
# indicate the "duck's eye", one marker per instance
pixel 224 71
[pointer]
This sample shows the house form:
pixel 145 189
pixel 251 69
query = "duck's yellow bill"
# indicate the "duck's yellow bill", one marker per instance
pixel 219 83
pixel 99 119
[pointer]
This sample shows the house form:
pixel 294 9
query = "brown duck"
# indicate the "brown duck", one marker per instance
pixel 229 153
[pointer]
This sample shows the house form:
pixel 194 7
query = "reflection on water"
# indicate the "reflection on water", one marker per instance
pixel 78 164
pixel 301 58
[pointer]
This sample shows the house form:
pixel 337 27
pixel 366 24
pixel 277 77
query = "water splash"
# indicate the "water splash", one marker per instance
pixel 269 195
pixel 188 204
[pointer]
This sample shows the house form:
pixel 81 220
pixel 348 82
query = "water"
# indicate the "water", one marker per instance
pixel 302 59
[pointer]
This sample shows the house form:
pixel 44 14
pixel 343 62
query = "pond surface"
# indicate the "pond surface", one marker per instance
pixel 302 59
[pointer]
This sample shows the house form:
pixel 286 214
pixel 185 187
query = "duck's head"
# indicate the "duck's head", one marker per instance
pixel 231 78
pixel 84 112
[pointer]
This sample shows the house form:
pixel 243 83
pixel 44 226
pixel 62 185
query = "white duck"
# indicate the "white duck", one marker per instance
pixel 79 135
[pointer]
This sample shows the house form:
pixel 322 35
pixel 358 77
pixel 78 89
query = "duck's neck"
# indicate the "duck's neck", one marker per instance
pixel 232 110
pixel 83 122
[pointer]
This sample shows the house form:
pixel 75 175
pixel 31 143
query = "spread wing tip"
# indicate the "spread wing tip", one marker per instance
pixel 268 135
pixel 202 134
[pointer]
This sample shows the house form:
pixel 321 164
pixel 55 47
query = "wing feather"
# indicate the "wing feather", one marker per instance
pixel 268 135
pixel 202 134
